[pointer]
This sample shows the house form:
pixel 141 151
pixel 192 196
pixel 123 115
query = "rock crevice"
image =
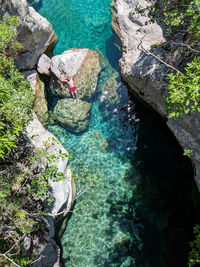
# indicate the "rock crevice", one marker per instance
pixel 146 76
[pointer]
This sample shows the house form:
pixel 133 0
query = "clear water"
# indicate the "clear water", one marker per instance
pixel 123 220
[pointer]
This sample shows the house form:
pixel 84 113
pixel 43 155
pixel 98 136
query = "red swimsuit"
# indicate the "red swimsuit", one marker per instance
pixel 72 89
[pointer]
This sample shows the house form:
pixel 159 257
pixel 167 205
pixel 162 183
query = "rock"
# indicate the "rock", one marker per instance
pixel 84 64
pixel 39 135
pixel 62 191
pixel 34 32
pixel 145 75
pixel 109 91
pixel 43 65
pixel 72 114
pixel 95 141
pixel 40 104
pixel 50 255
pixel 31 76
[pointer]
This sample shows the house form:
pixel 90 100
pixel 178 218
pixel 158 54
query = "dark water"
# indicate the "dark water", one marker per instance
pixel 140 211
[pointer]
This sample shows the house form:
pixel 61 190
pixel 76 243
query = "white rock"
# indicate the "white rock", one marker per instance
pixel 43 65
pixel 146 75
pixel 34 32
pixel 70 62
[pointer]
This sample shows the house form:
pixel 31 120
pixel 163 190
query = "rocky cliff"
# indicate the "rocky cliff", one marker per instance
pixel 146 75
pixel 34 32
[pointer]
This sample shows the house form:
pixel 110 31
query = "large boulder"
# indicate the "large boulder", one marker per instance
pixel 84 64
pixel 145 74
pixel 34 32
pixel 72 114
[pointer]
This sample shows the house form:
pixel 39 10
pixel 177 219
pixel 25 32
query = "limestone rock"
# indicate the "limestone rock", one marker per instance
pixel 51 255
pixel 40 104
pixel 72 114
pixel 34 32
pixel 31 76
pixel 83 64
pixel 62 191
pixel 43 65
pixel 145 75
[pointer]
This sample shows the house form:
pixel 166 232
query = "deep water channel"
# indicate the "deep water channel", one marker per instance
pixel 140 211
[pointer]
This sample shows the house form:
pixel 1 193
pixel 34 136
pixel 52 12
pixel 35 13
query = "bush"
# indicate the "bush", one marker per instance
pixel 16 96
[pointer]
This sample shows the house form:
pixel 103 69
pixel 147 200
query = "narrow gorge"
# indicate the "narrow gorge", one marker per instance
pixel 137 196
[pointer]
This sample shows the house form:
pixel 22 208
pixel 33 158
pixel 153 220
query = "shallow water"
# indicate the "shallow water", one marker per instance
pixel 125 218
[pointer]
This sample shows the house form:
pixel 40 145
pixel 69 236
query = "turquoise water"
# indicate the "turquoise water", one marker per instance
pixel 125 218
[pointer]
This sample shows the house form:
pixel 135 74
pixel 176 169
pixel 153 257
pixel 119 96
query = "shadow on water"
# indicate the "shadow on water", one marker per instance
pixel 161 214
pixel 113 51
pixel 37 4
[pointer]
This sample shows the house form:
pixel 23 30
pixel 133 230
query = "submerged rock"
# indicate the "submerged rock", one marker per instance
pixel 83 64
pixel 109 91
pixel 34 32
pixel 72 114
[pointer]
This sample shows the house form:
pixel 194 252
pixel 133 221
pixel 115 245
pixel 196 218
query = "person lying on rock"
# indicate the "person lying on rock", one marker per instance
pixel 70 81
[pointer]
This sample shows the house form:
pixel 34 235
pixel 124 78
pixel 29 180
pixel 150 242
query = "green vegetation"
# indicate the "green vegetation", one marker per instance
pixel 194 256
pixel 24 173
pixel 181 17
pixel 16 96
pixel 187 152
pixel 184 90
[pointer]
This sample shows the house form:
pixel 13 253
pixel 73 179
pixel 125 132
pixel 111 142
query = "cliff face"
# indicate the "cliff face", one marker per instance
pixel 146 75
pixel 34 32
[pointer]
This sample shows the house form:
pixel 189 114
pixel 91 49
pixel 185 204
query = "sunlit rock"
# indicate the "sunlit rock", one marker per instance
pixel 72 114
pixel 83 64
pixel 146 75
pixel 34 32
pixel 43 65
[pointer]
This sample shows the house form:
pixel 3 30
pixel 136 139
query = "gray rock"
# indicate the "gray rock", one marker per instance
pixel 34 32
pixel 43 65
pixel 84 64
pixel 72 114
pixel 69 61
pixel 62 191
pixel 40 103
pixel 145 75
pixel 50 255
